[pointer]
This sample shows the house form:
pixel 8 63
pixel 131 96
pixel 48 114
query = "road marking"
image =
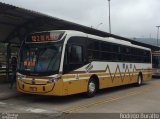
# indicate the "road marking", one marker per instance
pixel 78 108
pixel 36 110
pixel 111 99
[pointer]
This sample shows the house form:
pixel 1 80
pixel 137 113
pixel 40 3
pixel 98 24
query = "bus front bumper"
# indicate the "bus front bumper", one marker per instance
pixel 39 89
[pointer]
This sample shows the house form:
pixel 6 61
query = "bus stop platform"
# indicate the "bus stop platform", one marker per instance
pixel 6 92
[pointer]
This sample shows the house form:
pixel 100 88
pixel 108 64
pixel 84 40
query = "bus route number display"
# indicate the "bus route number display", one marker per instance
pixel 43 38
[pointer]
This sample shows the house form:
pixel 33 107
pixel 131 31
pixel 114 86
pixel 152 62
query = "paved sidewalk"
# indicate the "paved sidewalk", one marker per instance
pixel 6 92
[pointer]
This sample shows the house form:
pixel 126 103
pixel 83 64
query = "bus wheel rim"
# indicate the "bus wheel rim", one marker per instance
pixel 92 87
pixel 139 80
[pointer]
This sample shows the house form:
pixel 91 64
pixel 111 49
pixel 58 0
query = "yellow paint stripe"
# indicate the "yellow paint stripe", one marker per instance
pixel 68 76
pixel 85 75
pixel 99 74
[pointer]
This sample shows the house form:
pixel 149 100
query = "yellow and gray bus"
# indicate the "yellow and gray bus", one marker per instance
pixel 66 62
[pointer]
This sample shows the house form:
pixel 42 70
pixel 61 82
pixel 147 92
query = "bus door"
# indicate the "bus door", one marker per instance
pixel 75 58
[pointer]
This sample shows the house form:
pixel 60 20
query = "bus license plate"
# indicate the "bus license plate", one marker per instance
pixel 33 89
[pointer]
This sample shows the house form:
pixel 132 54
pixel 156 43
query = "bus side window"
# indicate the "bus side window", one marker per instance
pixel 75 54
pixel 73 58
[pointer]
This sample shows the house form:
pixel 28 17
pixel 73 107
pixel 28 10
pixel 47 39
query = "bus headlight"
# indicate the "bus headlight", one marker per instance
pixel 20 76
pixel 54 79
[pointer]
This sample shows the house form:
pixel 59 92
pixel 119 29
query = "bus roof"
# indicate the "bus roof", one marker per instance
pixel 106 39
pixel 71 33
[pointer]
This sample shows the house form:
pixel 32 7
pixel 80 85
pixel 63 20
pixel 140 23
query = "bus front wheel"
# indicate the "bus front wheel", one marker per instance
pixel 92 88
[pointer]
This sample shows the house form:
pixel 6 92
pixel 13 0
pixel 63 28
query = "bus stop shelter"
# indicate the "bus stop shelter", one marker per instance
pixel 16 23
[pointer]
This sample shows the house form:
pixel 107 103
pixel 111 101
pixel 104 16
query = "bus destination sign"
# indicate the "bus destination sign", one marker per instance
pixel 44 37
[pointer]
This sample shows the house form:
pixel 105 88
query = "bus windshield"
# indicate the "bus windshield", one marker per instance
pixel 40 58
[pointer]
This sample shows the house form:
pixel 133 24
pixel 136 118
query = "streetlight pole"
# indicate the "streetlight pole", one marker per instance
pixel 109 16
pixel 157 34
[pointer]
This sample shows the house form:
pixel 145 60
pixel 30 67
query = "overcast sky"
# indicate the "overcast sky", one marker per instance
pixel 129 18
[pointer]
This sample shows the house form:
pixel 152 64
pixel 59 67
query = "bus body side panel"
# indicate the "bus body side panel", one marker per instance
pixel 147 75
pixel 75 86
pixel 108 74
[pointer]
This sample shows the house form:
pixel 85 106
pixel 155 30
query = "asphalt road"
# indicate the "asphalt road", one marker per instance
pixel 124 99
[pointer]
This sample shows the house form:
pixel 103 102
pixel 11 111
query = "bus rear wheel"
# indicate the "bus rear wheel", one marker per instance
pixel 92 88
pixel 139 80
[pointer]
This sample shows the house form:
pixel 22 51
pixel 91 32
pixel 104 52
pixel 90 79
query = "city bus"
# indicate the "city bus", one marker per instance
pixel 66 62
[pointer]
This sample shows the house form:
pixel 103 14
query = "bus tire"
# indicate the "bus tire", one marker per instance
pixel 92 88
pixel 139 80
